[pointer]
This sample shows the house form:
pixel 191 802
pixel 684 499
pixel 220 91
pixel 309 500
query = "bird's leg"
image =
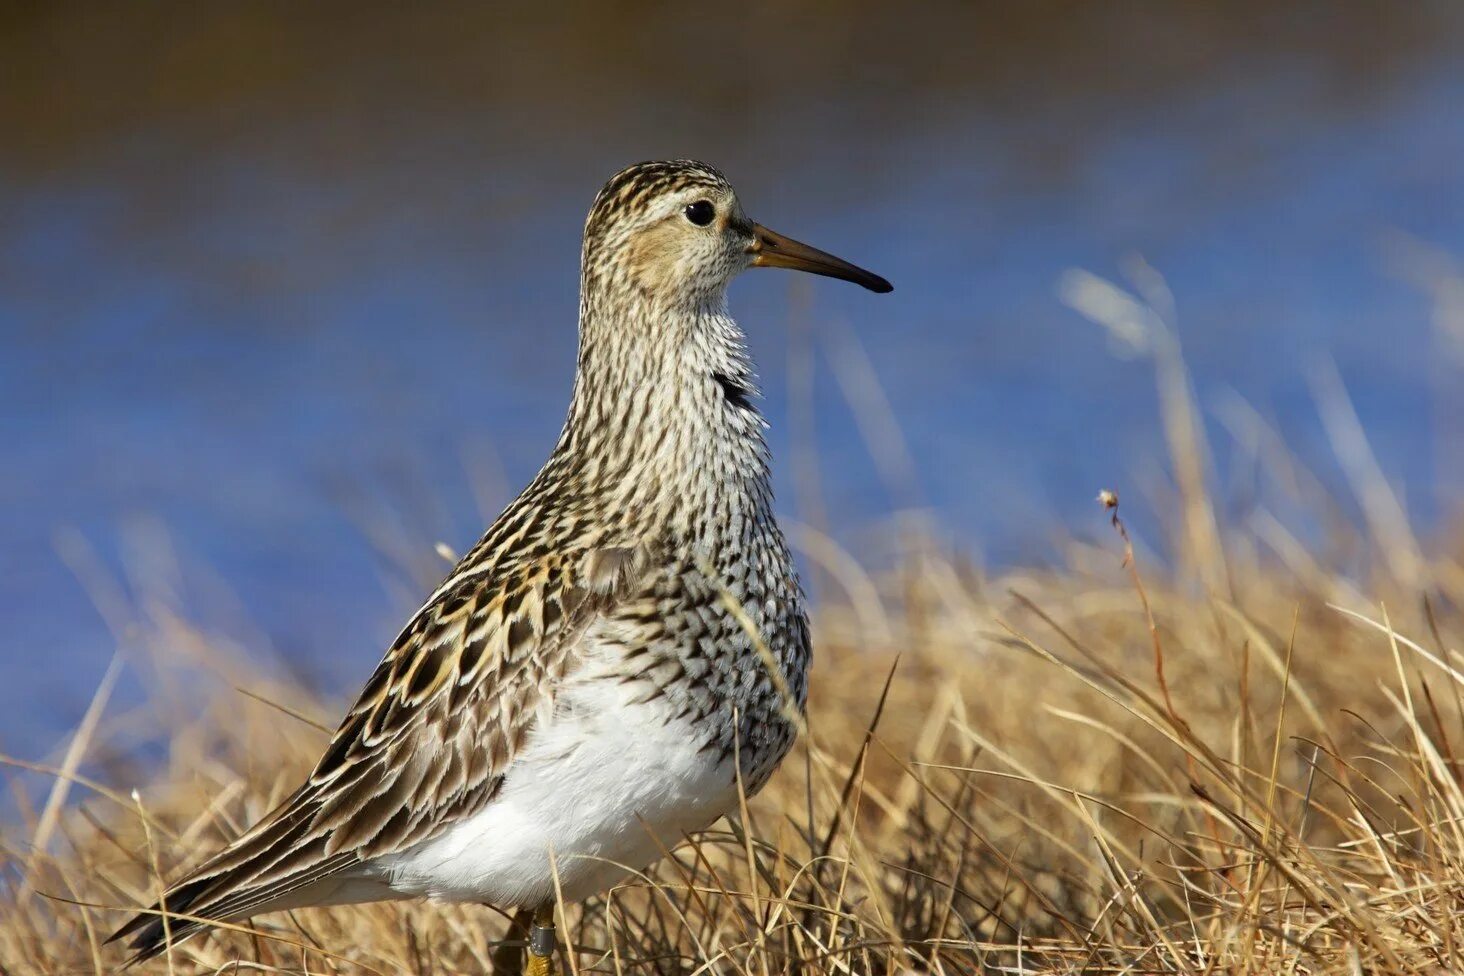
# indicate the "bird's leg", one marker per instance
pixel 508 957
pixel 541 942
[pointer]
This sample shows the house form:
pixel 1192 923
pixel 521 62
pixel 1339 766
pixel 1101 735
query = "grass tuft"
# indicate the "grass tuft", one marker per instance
pixel 1020 792
pixel 1246 761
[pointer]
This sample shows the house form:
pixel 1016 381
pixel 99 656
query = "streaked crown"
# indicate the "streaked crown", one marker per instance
pixel 629 191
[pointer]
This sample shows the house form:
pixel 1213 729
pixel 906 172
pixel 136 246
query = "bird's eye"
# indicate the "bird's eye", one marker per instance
pixel 700 213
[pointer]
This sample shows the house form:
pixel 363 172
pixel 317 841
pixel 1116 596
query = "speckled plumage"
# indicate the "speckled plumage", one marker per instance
pixel 579 680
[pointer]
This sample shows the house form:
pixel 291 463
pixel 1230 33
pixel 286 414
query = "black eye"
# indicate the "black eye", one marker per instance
pixel 700 213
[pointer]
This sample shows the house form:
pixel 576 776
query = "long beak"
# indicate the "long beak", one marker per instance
pixel 773 250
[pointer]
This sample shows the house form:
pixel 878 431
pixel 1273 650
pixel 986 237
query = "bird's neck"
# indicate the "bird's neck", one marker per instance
pixel 663 424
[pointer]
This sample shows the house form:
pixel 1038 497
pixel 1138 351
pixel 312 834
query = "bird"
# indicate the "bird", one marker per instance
pixel 623 650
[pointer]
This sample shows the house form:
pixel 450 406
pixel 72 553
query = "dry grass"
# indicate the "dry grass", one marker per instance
pixel 1242 761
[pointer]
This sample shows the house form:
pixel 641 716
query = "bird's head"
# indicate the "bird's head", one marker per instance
pixel 674 231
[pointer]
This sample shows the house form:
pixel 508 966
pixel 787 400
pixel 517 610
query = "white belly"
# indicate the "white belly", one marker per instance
pixel 607 786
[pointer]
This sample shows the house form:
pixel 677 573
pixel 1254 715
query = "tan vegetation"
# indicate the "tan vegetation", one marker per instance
pixel 1241 760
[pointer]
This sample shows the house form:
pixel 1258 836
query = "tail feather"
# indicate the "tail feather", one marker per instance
pixel 244 879
pixel 327 885
pixel 148 936
pixel 147 932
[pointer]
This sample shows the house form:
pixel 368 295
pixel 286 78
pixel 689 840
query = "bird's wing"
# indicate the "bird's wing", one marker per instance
pixel 427 742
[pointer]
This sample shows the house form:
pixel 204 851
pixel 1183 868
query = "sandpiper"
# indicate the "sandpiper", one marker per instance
pixel 624 645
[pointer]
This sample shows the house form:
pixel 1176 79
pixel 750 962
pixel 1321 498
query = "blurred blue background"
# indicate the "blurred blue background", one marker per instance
pixel 287 292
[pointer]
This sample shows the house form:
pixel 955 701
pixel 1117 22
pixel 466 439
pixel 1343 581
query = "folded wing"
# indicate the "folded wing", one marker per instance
pixel 426 744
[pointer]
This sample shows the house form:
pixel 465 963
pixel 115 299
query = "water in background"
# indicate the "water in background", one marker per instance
pixel 288 295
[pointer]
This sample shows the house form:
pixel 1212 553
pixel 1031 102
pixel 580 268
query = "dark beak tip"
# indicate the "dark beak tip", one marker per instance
pixel 773 250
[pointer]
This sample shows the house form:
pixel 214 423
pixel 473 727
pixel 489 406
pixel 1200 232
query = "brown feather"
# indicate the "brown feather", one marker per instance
pixel 402 764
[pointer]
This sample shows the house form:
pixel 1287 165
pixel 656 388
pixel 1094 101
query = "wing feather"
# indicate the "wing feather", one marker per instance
pixel 427 741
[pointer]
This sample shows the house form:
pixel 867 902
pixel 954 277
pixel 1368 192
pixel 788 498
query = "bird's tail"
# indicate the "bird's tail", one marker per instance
pixel 196 904
pixel 162 925
pixel 275 866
